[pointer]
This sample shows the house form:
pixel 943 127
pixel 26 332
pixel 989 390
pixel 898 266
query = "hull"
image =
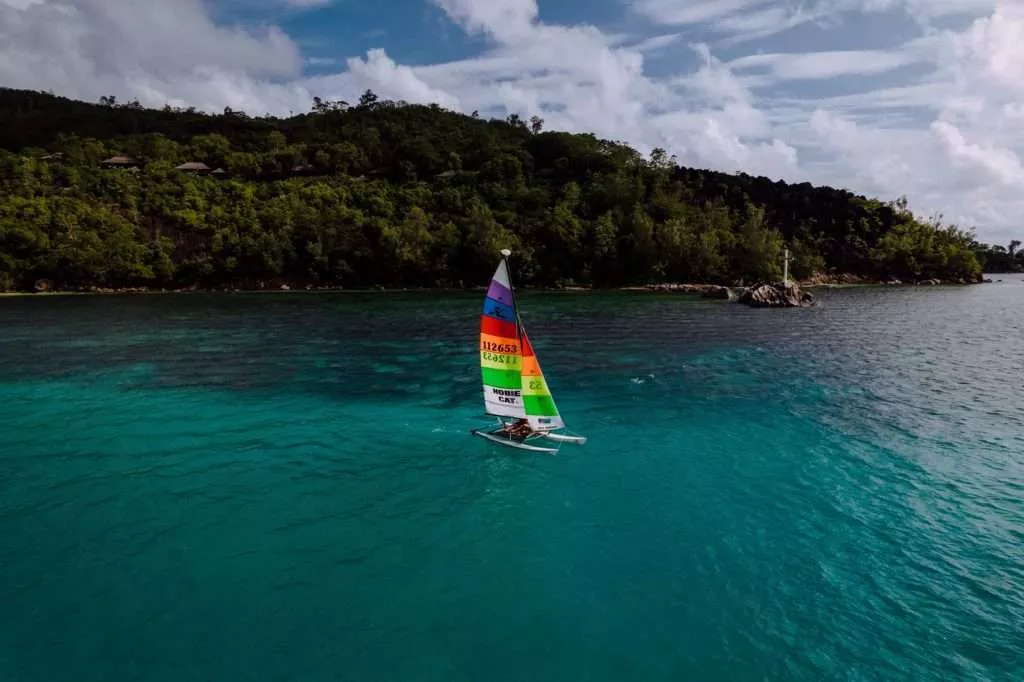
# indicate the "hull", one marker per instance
pixel 507 442
pixel 561 438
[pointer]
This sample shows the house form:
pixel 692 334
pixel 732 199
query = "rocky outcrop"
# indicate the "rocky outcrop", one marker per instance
pixel 719 293
pixel 777 296
pixel 714 291
pixel 834 279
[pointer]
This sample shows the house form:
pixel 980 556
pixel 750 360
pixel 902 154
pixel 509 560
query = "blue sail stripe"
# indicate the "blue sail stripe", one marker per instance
pixel 499 310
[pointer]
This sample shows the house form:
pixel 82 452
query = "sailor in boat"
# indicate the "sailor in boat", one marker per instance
pixel 519 429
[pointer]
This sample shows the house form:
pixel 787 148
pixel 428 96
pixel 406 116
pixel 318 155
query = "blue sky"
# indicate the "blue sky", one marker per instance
pixel 884 97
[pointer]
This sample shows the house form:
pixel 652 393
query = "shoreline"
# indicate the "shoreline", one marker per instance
pixel 662 288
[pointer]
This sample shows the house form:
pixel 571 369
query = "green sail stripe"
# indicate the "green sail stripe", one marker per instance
pixel 535 385
pixel 539 405
pixel 502 378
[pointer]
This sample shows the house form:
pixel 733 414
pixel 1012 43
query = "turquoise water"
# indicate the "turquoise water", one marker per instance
pixel 283 487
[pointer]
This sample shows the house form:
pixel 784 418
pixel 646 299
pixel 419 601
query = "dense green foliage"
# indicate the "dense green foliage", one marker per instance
pixel 385 193
pixel 995 258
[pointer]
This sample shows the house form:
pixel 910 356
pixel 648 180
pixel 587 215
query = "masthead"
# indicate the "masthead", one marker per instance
pixel 506 253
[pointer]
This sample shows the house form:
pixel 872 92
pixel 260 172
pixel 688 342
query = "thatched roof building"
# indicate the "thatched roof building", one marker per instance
pixel 193 167
pixel 119 162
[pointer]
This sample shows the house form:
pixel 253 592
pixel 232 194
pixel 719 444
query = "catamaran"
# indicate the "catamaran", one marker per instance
pixel 514 387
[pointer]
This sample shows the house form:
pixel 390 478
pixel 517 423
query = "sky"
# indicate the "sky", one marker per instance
pixel 923 98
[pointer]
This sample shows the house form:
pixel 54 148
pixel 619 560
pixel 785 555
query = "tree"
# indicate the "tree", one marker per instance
pixel 368 99
pixel 212 148
pixel 659 159
pixel 757 254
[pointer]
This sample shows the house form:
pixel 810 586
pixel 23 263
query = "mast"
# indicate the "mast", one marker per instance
pixel 785 270
pixel 505 253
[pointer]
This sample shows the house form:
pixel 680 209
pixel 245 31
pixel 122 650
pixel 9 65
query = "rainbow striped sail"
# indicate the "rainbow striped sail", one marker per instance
pixel 514 385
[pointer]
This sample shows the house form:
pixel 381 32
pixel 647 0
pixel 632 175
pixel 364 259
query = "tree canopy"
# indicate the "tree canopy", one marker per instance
pixel 384 193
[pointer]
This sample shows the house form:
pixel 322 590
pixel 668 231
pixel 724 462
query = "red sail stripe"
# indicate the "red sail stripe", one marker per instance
pixel 489 325
pixel 527 348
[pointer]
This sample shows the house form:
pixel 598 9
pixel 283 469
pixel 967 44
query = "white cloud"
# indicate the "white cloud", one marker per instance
pixel 150 49
pixel 985 164
pixel 761 22
pixel 657 43
pixel 949 132
pixel 818 65
pixel 504 19
pixel 930 9
pixel 682 12
pixel 388 79
pixel 745 20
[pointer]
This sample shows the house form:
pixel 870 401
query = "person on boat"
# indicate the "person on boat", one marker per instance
pixel 519 430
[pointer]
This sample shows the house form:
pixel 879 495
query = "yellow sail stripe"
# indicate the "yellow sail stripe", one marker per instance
pixel 500 360
pixel 535 385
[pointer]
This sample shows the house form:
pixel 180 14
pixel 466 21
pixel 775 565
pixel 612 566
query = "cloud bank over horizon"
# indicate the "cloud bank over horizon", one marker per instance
pixel 883 97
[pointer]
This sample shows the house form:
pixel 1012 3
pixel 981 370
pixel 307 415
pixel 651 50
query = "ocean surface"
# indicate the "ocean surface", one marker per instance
pixel 282 487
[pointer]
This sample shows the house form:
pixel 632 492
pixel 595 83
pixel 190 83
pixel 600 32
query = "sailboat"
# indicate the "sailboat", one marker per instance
pixel 514 387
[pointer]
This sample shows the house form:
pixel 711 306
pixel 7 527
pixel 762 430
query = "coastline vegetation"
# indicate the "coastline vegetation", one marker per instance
pixel 381 193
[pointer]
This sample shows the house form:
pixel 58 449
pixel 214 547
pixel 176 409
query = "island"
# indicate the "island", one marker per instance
pixel 376 193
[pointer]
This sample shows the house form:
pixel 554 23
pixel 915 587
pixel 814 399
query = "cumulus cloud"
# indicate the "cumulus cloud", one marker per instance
pixel 390 80
pixel 19 4
pixel 150 49
pixel 939 117
pixel 504 19
pixel 984 164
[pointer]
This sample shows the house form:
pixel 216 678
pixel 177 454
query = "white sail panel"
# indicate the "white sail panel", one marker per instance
pixel 504 402
pixel 501 275
pixel 545 423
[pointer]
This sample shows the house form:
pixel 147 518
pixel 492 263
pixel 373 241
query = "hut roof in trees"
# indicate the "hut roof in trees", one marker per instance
pixel 119 162
pixel 193 167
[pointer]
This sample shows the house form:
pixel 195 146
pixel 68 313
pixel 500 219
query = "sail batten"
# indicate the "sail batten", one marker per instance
pixel 514 385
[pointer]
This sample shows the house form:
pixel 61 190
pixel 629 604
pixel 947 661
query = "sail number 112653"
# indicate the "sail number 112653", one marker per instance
pixel 507 348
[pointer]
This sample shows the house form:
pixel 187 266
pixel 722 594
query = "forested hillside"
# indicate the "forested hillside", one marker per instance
pixel 391 194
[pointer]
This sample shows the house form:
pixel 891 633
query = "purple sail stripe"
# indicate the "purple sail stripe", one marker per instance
pixel 499 292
